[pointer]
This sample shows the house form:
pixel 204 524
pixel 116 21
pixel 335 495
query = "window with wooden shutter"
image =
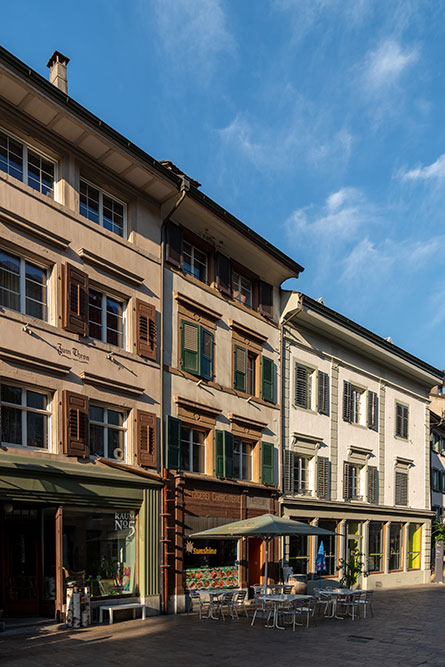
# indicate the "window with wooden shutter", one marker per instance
pixel 267 463
pixel 288 472
pixel 373 410
pixel 146 330
pixel 268 379
pixel 173 244
pixel 74 300
pixel 301 386
pixel 323 478
pixel 223 274
pixel 373 484
pixel 323 393
pixel 402 421
pixel 347 401
pixel 401 495
pixel 75 424
pixel 173 443
pixel 146 439
pixel 206 360
pixel 190 347
pixel 240 368
pixel 265 299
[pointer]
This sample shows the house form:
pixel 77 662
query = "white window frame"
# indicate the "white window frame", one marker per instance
pixel 103 192
pixel 22 284
pixel 298 489
pixel 192 263
pixel 237 285
pixel 243 454
pixel 191 444
pixel 24 409
pixel 25 148
pixel 124 303
pixel 105 425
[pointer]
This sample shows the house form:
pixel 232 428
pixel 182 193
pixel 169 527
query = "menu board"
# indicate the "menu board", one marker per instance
pixel 212 577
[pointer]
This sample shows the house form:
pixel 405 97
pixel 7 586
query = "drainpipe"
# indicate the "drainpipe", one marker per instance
pixel 183 189
pixel 283 323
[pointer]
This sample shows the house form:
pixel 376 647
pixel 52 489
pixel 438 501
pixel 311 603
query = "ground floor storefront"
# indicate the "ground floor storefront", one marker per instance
pixel 193 504
pixel 65 524
pixel 392 543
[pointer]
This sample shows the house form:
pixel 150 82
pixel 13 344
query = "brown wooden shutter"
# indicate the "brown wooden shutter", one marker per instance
pixel 223 274
pixel 74 299
pixel 173 246
pixel 146 439
pixel 288 472
pixel 75 424
pixel 323 393
pixel 401 488
pixel 146 330
pixel 265 299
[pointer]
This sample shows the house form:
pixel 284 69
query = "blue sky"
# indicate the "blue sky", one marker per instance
pixel 319 123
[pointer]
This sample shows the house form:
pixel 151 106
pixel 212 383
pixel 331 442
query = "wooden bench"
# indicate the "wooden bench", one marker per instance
pixel 111 608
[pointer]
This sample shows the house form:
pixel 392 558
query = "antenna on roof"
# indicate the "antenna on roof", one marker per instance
pixel 389 339
pixel 320 300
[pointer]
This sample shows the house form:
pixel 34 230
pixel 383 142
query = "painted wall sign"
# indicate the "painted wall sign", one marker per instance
pixel 213 497
pixel 125 521
pixel 190 549
pixel 260 503
pixel 72 353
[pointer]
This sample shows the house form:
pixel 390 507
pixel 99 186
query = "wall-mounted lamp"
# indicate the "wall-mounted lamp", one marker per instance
pixel 26 329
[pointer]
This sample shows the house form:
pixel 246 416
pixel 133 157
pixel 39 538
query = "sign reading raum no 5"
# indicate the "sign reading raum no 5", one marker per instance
pixel 125 521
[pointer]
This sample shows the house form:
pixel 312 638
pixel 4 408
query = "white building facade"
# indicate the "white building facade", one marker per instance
pixel 356 452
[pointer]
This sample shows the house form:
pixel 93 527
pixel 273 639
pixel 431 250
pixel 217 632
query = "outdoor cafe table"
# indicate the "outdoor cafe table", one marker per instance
pixel 337 594
pixel 276 600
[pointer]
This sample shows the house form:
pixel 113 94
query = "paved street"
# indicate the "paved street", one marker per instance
pixel 407 630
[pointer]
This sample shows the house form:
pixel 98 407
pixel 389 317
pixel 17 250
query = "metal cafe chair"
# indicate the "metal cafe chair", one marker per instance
pixel 348 604
pixel 324 600
pixel 226 601
pixel 239 600
pixel 203 605
pixel 298 608
pixel 364 601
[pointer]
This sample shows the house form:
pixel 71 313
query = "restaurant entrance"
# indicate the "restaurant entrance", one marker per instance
pixel 255 561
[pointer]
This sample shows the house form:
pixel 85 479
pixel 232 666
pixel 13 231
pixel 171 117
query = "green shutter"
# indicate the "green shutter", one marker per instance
pixel 267 463
pixel 228 454
pixel 190 347
pixel 268 379
pixel 219 453
pixel 173 443
pixel 206 370
pixel 240 368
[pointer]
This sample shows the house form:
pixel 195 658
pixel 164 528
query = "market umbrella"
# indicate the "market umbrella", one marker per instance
pixel 266 527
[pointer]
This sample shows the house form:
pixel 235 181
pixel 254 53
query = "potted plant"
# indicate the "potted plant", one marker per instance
pixel 351 568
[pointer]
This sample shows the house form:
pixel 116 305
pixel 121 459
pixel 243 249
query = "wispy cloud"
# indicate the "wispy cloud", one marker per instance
pixel 194 35
pixel 384 66
pixel 298 137
pixel 307 14
pixel 432 172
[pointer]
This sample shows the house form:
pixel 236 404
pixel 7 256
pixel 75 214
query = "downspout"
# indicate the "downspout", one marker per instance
pixel 283 323
pixel 183 189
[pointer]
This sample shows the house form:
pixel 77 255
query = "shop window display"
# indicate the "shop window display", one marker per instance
pixel 99 549
pixel 210 564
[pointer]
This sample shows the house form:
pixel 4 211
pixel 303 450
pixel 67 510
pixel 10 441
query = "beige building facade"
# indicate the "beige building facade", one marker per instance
pixel 80 375
pixel 221 394
pixel 356 446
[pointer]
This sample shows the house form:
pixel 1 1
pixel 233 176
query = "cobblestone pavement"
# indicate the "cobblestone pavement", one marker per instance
pixel 407 630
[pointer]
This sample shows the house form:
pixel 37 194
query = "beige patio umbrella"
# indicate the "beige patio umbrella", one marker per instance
pixel 266 527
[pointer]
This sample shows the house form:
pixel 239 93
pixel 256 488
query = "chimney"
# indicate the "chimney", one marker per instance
pixel 57 71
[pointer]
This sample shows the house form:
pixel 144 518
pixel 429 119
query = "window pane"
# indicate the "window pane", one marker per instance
pixel 96 414
pixel 115 418
pixel 11 425
pixel 9 281
pixel 115 439
pixel 40 173
pixel 37 435
pixel 95 314
pixel 11 394
pixel 113 215
pixel 114 322
pixel 11 156
pixel 97 440
pixel 89 202
pixel 36 400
